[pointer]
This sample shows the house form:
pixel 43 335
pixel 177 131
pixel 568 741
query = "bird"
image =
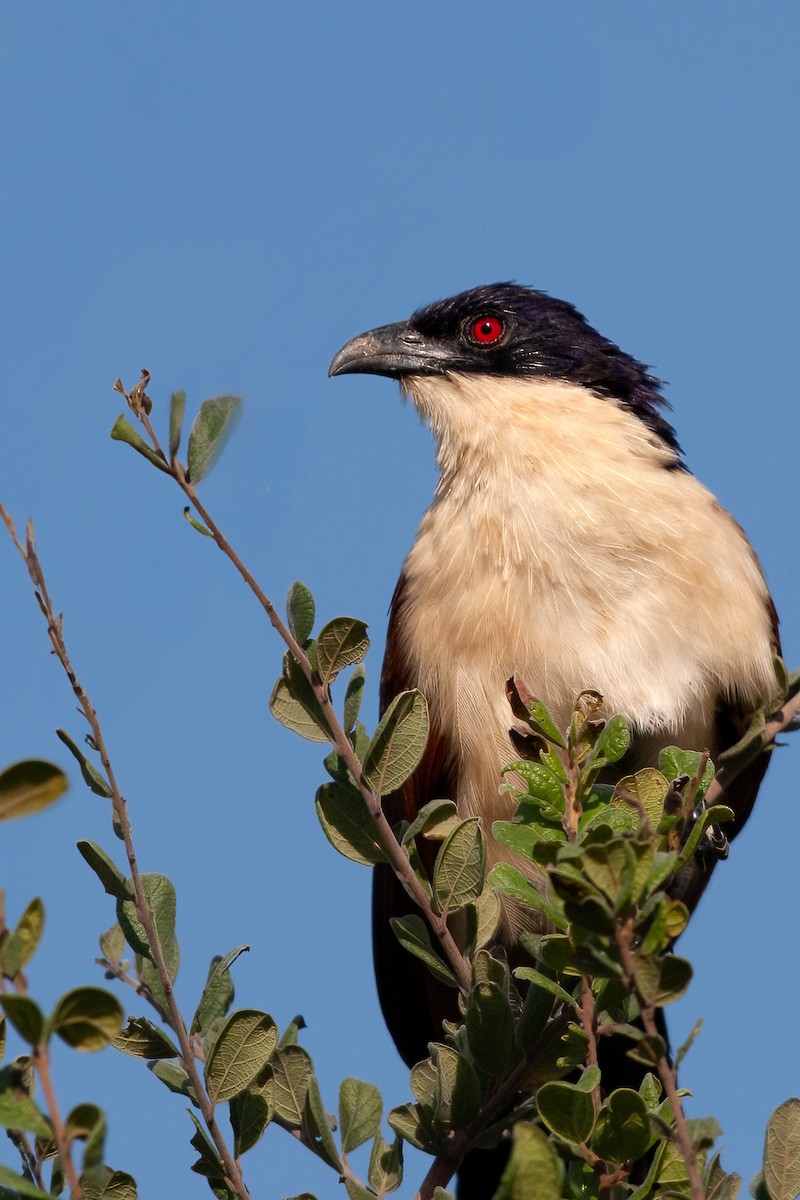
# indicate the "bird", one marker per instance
pixel 568 543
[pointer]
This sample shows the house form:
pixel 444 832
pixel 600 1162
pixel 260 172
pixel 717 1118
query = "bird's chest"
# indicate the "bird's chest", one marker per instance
pixel 585 595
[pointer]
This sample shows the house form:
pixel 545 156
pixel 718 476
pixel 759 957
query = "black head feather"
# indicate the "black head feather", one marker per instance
pixel 545 337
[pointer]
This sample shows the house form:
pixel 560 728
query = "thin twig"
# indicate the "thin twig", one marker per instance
pixel 41 1064
pixel 624 938
pixel 398 859
pixel 54 628
pixel 777 723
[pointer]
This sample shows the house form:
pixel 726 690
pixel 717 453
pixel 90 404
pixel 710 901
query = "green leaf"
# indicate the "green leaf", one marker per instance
pixel 295 705
pixel 360 1112
pixel 716 815
pixel 106 871
pixel 399 742
pixel 489 910
pixel 87 1123
pixel 352 698
pixel 218 993
pixel 342 643
pixel 542 784
pixel 385 1172
pixel 173 1077
pixel 177 409
pixel 435 819
pixel 18 1111
pixel 686 1046
pixel 622 1129
pixel 675 763
pixel 544 981
pixel 612 744
pixel 643 792
pixel 413 933
pixel 91 776
pixel 87 1018
pixel 317 1128
pixel 508 881
pixel 251 1112
pixel 292 1069
pixel 20 1187
pixel 300 611
pixel 534 1169
pixel 347 824
pixel 289 1035
pixel 567 1109
pixel 782 1152
pixel 240 1051
pixel 20 945
pixel 209 1164
pixel 522 837
pixel 123 431
pixel 28 786
pixel 460 868
pixel 410 1122
pixel 161 900
pixel 210 430
pixel 490 1027
pixel 748 746
pixel 110 1185
pixel 142 1039
pixel 25 1016
pixel 458 1092
pixel 195 524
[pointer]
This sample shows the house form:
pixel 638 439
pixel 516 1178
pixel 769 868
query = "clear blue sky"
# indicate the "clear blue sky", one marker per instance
pixel 225 193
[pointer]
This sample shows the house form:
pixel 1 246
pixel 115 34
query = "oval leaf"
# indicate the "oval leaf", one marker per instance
pixel 27 786
pixel 300 611
pixel 399 743
pixel 341 643
pixel 25 1016
pixel 142 1039
pixel 123 431
pixel 460 868
pixel 291 1069
pixel 177 408
pixel 251 1112
pixel 87 1018
pixel 218 993
pixel 346 823
pixel 209 432
pixel 20 945
pixel 106 871
pixel 782 1151
pixel 241 1050
pixel 413 933
pixel 490 1027
pixel 360 1112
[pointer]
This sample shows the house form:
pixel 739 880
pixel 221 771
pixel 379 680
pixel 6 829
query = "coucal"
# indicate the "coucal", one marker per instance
pixel 567 542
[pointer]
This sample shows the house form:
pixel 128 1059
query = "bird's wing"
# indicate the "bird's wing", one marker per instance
pixel 740 794
pixel 414 1003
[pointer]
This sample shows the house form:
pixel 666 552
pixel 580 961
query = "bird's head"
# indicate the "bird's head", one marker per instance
pixel 506 331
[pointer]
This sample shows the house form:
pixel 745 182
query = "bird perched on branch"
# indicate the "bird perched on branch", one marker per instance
pixel 566 542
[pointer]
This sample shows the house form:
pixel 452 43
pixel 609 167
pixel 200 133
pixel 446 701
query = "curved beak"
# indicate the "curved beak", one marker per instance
pixel 392 350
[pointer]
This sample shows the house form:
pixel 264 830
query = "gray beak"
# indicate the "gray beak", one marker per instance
pixel 392 350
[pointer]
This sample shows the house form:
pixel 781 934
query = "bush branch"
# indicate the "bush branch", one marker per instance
pixel 143 912
pixel 398 859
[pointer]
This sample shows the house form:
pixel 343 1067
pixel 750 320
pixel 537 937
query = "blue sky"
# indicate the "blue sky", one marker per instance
pixel 224 194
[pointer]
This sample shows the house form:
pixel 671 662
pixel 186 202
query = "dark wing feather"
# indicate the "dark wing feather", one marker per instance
pixel 414 1004
pixel 740 794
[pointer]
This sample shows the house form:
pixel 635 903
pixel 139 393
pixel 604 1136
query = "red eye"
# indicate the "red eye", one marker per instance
pixel 487 330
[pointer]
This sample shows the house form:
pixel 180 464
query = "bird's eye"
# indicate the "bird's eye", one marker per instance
pixel 486 330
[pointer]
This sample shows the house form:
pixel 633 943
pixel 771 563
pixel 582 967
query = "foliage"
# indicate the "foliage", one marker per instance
pixel 598 857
